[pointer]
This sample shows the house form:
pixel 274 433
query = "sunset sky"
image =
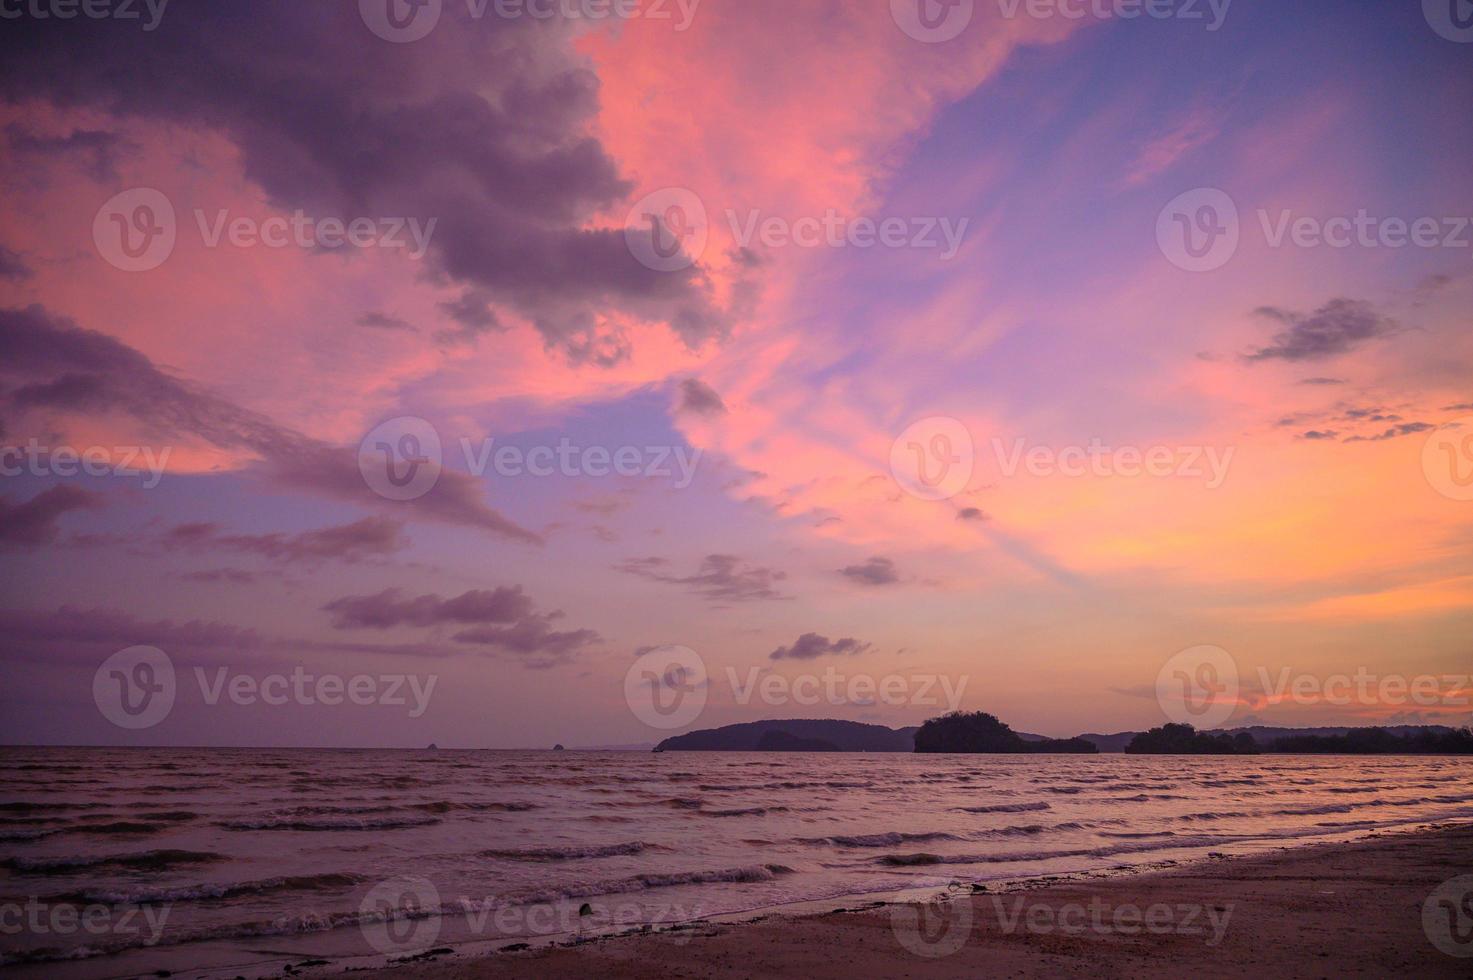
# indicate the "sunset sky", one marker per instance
pixel 1299 396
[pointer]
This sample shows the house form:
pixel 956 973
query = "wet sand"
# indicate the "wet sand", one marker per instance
pixel 1326 910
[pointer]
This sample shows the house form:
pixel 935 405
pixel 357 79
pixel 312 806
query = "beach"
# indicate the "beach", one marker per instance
pixel 1320 910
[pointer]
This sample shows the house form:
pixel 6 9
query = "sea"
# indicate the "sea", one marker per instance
pixel 119 862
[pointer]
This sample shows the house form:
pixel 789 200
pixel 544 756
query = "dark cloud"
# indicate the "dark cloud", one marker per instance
pixel 383 321
pixel 81 635
pixel 391 607
pixel 878 570
pixel 1319 434
pixel 98 150
pixel 11 266
pixel 87 370
pixel 699 398
pixel 534 638
pixel 1335 328
pixel 719 577
pixel 472 310
pixel 810 646
pixel 1462 407
pixel 1321 381
pixel 1395 432
pixel 483 125
pixel 504 618
pixel 372 537
pixel 35 521
pixel 971 514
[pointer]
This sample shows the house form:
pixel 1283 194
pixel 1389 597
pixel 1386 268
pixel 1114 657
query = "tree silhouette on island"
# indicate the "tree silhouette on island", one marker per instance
pixel 977 731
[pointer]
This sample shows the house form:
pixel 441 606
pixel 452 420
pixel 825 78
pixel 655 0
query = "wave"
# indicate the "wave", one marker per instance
pixel 27 806
pixel 642 882
pixel 201 892
pixel 445 806
pixel 925 858
pixel 1007 808
pixel 568 853
pixel 141 861
pixel 33 833
pixel 323 922
pixel 328 823
pixel 877 840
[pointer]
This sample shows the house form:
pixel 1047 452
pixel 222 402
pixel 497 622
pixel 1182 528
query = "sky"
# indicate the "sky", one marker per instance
pixel 518 365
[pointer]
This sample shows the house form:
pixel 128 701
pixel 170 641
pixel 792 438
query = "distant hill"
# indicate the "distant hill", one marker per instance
pixel 836 736
pixel 1264 735
pixel 830 735
pixel 1109 743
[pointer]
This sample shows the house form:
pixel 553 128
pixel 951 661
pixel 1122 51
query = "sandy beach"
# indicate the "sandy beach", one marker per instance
pixel 1325 910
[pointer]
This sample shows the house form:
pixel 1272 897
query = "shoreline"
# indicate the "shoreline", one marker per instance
pixel 1352 907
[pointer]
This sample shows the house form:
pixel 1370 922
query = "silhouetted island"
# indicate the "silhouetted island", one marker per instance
pixel 977 731
pixel 777 740
pixel 1186 740
pixel 1379 741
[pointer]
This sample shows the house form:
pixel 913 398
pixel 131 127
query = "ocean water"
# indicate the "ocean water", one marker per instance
pixel 120 862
